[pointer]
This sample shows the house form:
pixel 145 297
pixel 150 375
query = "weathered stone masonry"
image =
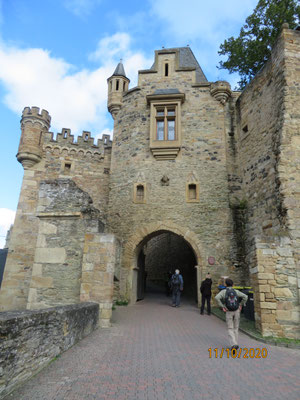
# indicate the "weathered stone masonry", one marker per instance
pixel 31 339
pixel 189 157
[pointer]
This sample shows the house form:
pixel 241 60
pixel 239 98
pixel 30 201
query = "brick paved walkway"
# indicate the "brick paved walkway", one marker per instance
pixel 156 352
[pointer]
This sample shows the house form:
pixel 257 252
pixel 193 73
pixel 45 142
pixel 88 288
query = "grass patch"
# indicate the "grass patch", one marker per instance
pixel 121 303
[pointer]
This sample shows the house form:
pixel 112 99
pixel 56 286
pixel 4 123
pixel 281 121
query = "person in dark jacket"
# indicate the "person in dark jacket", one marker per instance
pixel 177 288
pixel 205 290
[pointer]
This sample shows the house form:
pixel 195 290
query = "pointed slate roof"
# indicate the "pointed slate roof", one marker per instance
pixel 186 60
pixel 120 71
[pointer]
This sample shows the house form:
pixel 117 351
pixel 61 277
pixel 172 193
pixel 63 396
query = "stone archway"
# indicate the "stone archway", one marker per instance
pixel 135 242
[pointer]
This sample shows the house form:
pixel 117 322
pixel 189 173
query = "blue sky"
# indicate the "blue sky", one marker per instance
pixel 57 55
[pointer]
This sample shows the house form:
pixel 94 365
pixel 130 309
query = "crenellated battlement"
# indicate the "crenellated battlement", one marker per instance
pixel 84 141
pixel 34 112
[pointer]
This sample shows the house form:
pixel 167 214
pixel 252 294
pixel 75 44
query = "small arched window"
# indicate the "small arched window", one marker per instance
pixel 192 191
pixel 140 193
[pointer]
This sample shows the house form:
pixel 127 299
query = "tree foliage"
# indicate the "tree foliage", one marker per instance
pixel 251 49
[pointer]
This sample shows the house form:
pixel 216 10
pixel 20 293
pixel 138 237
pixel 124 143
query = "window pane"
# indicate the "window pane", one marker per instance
pixel 160 130
pixel 160 113
pixel 171 130
pixel 171 112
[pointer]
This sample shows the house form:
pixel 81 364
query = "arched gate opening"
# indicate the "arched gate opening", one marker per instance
pixel 158 255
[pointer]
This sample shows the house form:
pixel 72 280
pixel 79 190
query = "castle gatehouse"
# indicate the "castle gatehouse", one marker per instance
pixel 198 176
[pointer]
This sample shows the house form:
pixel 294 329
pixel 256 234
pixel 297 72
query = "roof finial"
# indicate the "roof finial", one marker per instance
pixel 121 60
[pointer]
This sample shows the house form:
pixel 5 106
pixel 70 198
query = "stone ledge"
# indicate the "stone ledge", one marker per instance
pixel 30 339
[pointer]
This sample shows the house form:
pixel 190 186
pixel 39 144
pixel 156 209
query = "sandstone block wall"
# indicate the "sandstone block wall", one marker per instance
pixel 267 158
pixel 31 339
pixel 65 214
pixel 100 260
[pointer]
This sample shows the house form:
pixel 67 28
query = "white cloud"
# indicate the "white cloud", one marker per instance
pixel 203 25
pixel 111 46
pixel 7 217
pixel 81 8
pixel 118 46
pixel 75 99
pixel 204 20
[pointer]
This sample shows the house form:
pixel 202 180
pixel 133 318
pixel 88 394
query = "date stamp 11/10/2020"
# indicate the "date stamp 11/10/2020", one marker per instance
pixel 238 353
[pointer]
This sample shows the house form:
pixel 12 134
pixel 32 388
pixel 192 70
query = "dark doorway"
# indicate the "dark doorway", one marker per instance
pixel 141 284
pixel 161 254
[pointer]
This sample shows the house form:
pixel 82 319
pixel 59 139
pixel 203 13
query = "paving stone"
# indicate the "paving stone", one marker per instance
pixel 156 352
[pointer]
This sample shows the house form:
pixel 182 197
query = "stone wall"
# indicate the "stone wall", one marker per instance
pixel 100 260
pixel 65 214
pixel 82 162
pixel 31 339
pixel 267 132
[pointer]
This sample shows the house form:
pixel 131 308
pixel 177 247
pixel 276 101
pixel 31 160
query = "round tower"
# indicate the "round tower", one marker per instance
pixel 117 85
pixel 33 126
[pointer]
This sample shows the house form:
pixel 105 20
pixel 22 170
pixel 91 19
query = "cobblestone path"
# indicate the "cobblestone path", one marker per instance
pixel 156 352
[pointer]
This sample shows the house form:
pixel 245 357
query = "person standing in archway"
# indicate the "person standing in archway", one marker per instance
pixel 205 290
pixel 177 288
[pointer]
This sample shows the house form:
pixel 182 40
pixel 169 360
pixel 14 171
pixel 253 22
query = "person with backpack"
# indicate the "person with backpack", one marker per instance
pixel 231 301
pixel 205 290
pixel 176 287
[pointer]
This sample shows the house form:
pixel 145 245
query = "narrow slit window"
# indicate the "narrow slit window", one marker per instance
pixel 40 139
pixel 192 191
pixel 124 86
pixel 140 193
pixel 166 69
pixel 65 134
pixel 86 137
pixel 110 85
pixel 117 84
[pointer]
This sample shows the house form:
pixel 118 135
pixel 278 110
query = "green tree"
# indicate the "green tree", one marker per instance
pixel 251 49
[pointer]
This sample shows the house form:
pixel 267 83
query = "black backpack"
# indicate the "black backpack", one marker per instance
pixel 231 300
pixel 175 280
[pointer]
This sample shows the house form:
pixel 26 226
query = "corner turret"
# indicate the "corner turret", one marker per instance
pixel 117 85
pixel 33 125
pixel 221 91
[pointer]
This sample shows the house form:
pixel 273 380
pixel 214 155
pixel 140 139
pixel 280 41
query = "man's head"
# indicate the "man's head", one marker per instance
pixel 228 282
pixel 176 271
pixel 208 275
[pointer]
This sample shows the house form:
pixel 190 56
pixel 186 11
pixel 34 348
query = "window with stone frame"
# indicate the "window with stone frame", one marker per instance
pixel 165 124
pixel 192 192
pixel 139 194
